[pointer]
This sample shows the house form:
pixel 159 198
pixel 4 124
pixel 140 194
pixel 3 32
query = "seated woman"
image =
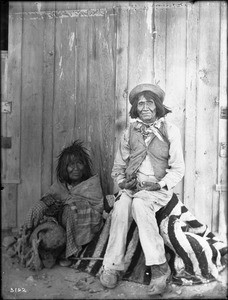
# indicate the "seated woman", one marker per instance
pixel 75 200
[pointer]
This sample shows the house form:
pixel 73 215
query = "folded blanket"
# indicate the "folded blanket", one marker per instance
pixel 193 252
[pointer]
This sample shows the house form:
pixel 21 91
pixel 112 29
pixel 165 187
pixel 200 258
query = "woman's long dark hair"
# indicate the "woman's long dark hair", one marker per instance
pixel 161 109
pixel 75 151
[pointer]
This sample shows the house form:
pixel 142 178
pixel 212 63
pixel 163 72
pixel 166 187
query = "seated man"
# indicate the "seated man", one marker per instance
pixel 148 165
pixel 75 200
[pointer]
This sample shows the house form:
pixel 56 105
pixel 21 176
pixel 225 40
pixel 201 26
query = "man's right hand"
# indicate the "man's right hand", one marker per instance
pixel 129 184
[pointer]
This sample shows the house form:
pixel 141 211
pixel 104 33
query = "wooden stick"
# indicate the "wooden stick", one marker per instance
pixel 87 258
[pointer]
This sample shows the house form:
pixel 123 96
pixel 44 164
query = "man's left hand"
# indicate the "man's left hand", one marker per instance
pixel 150 186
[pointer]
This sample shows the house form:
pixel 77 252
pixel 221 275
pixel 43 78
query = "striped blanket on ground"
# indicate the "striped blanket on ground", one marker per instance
pixel 194 254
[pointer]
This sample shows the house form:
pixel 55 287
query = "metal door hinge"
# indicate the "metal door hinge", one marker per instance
pixel 6 107
pixel 223 112
pixel 221 187
pixel 223 149
pixel 6 142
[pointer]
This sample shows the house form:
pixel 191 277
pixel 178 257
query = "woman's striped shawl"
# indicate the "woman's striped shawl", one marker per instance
pixel 194 254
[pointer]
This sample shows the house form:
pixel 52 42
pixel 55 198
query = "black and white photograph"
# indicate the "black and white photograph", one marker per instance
pixel 114 150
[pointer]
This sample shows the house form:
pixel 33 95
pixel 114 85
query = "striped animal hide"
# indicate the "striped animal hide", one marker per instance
pixel 194 253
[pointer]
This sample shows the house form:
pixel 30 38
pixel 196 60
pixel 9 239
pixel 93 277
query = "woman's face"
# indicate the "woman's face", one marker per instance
pixel 146 109
pixel 75 170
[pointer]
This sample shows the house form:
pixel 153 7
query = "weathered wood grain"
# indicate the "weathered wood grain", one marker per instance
pixel 140 44
pixel 31 113
pixel 4 98
pixel 81 71
pixel 8 206
pixel 207 110
pixel 220 206
pixel 176 70
pixel 64 85
pixel 101 96
pixel 190 106
pixel 48 99
pixel 121 80
pixel 159 38
pixel 14 87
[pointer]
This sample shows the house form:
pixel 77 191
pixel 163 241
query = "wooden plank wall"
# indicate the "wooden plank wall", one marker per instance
pixel 207 104
pixel 14 69
pixel 190 107
pixel 173 59
pixel 11 93
pixel 78 62
pixel 4 78
pixel 31 111
pixel 220 207
pixel 8 189
pixel 48 77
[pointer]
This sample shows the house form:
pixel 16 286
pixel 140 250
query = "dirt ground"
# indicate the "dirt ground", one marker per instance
pixel 67 283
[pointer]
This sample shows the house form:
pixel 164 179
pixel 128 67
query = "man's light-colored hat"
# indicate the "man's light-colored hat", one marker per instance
pixel 146 87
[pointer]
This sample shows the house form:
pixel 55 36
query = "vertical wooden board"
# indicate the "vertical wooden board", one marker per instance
pixel 190 106
pixel 107 106
pixel 64 90
pixel 4 98
pixel 29 190
pixel 48 97
pixel 160 28
pixel 9 206
pixel 101 96
pixel 207 111
pixel 121 81
pixel 91 107
pixel 140 43
pixel 82 49
pixel 175 70
pixel 14 92
pixel 220 207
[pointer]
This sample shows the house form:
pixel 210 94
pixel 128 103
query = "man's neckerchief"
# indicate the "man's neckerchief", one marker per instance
pixel 148 128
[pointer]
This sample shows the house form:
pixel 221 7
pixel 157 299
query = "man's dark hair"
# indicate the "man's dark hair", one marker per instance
pixel 75 151
pixel 161 109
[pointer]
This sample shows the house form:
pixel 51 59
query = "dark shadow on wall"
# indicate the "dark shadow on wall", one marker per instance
pixel 4 24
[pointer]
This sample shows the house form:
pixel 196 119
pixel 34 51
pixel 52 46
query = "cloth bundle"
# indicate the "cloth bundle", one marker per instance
pixel 193 252
pixel 39 249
